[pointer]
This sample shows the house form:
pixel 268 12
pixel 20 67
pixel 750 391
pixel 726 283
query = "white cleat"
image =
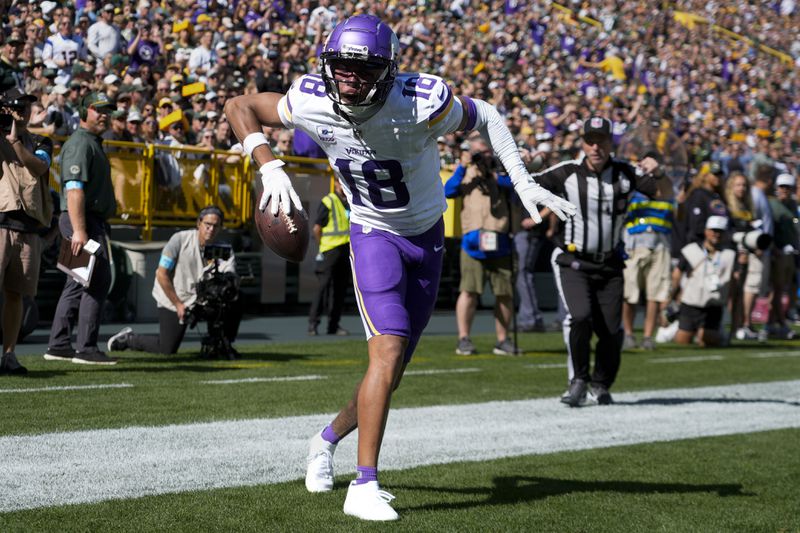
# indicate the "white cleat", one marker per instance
pixel 319 471
pixel 368 502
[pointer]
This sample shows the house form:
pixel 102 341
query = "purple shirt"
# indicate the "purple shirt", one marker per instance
pixel 146 53
pixel 538 30
pixel 304 146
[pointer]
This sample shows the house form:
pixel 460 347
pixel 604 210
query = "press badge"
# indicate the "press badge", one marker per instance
pixel 487 241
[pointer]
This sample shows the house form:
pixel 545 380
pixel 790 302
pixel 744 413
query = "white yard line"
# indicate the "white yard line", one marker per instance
pixel 548 365
pixel 90 466
pixel 690 359
pixel 769 355
pixel 312 377
pixel 68 387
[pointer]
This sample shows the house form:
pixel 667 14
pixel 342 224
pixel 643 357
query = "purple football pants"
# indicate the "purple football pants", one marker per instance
pixel 396 280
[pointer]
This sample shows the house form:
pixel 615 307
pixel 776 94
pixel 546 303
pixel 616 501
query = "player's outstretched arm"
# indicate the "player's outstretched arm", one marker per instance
pixel 247 115
pixel 493 127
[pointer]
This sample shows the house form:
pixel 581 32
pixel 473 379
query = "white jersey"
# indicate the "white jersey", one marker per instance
pixel 67 49
pixel 389 164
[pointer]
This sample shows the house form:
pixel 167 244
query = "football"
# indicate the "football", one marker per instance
pixel 286 235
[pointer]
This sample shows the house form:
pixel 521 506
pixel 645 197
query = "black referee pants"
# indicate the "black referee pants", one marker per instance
pixel 594 304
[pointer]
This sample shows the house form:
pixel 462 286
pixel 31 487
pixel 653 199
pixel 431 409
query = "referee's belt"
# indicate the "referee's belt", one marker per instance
pixel 595 257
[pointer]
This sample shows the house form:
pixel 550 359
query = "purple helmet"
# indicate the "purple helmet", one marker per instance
pixel 363 42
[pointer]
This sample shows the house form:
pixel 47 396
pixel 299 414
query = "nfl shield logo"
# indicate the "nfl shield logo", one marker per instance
pixel 325 134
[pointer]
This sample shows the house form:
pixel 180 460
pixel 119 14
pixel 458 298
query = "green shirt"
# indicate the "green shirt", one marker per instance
pixel 83 159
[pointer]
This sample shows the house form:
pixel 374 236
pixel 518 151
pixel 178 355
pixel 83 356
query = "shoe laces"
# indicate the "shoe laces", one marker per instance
pixel 385 496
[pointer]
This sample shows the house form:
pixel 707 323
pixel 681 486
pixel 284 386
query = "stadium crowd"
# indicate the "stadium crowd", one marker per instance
pixel 171 66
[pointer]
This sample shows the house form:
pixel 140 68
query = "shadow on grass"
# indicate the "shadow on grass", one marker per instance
pixel 682 401
pixel 520 489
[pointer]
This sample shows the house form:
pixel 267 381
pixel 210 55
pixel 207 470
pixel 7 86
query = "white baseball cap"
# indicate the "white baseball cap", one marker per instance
pixel 717 222
pixel 785 180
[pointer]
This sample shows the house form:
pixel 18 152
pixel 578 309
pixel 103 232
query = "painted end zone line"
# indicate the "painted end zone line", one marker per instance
pixel 70 387
pixel 312 377
pixel 62 468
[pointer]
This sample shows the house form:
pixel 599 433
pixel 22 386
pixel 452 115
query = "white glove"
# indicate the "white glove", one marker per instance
pixel 788 249
pixel 531 194
pixel 278 185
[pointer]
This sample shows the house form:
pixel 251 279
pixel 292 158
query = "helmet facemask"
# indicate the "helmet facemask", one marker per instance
pixel 359 62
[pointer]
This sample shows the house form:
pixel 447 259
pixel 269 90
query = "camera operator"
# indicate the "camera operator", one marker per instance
pixel 25 208
pixel 485 244
pixel 180 270
pixel 704 272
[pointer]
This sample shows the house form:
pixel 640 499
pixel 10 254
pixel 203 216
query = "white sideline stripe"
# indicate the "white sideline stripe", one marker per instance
pixel 693 359
pixel 63 468
pixel 312 377
pixel 767 355
pixel 434 372
pixel 70 387
pixel 548 365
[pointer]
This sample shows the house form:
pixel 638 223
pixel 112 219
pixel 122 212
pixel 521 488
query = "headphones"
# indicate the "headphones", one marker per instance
pixel 83 107
pixel 211 210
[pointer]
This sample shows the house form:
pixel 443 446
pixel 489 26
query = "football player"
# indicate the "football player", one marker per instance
pixel 378 128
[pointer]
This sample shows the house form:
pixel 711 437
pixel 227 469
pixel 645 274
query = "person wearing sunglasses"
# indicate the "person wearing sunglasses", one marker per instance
pixel 87 200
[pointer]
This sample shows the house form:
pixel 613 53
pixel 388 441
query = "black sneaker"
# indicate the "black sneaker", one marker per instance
pixel 119 342
pixel 576 394
pixel 59 354
pixel 93 358
pixel 9 365
pixel 600 395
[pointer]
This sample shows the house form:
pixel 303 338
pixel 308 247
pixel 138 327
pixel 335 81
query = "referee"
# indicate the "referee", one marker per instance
pixel 589 258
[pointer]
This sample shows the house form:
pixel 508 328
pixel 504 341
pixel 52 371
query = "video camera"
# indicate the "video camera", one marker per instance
pixel 6 119
pixel 216 293
pixel 753 240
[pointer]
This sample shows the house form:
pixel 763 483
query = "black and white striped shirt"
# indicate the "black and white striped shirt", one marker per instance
pixel 602 200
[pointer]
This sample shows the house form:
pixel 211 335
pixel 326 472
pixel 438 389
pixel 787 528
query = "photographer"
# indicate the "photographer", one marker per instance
pixel 704 273
pixel 178 277
pixel 25 208
pixel 485 244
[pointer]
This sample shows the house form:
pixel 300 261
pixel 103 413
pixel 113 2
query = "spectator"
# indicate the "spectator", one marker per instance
pixel 648 227
pixel 747 280
pixel 9 59
pixel 60 117
pixel 786 246
pixel 703 200
pixel 705 272
pixel 332 232
pixel 485 244
pixel 103 38
pixel 203 57
pixel 145 48
pixel 62 49
pixel 133 126
pixel 118 130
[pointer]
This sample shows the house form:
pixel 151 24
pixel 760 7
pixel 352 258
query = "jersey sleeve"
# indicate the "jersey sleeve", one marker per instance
pixel 437 103
pixel 303 94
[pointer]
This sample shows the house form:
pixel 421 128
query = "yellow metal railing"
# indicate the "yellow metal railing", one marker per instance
pixel 158 185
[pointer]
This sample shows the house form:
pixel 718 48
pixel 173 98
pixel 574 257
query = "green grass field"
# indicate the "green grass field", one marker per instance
pixel 746 482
